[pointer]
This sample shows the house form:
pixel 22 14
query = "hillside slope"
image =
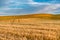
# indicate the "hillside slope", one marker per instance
pixel 42 16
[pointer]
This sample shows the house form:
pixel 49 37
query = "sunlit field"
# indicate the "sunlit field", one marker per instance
pixel 30 27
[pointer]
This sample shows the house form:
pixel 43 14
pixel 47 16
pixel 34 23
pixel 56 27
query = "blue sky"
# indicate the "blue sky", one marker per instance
pixel 16 7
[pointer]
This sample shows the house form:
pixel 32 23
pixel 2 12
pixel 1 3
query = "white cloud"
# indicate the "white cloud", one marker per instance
pixel 5 8
pixel 3 13
pixel 21 2
pixel 50 8
pixel 31 2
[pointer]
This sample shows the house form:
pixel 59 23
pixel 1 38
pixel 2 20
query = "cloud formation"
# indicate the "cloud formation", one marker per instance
pixel 51 8
pixel 12 7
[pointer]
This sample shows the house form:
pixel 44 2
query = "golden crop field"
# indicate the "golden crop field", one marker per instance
pixel 26 28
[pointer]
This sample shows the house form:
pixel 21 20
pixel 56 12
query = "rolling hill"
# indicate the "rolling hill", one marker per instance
pixel 41 15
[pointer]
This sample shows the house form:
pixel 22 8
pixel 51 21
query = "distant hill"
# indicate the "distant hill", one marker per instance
pixel 42 16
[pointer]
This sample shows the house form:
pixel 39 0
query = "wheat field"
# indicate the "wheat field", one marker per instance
pixel 30 27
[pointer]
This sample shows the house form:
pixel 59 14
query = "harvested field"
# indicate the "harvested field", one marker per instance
pixel 30 29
